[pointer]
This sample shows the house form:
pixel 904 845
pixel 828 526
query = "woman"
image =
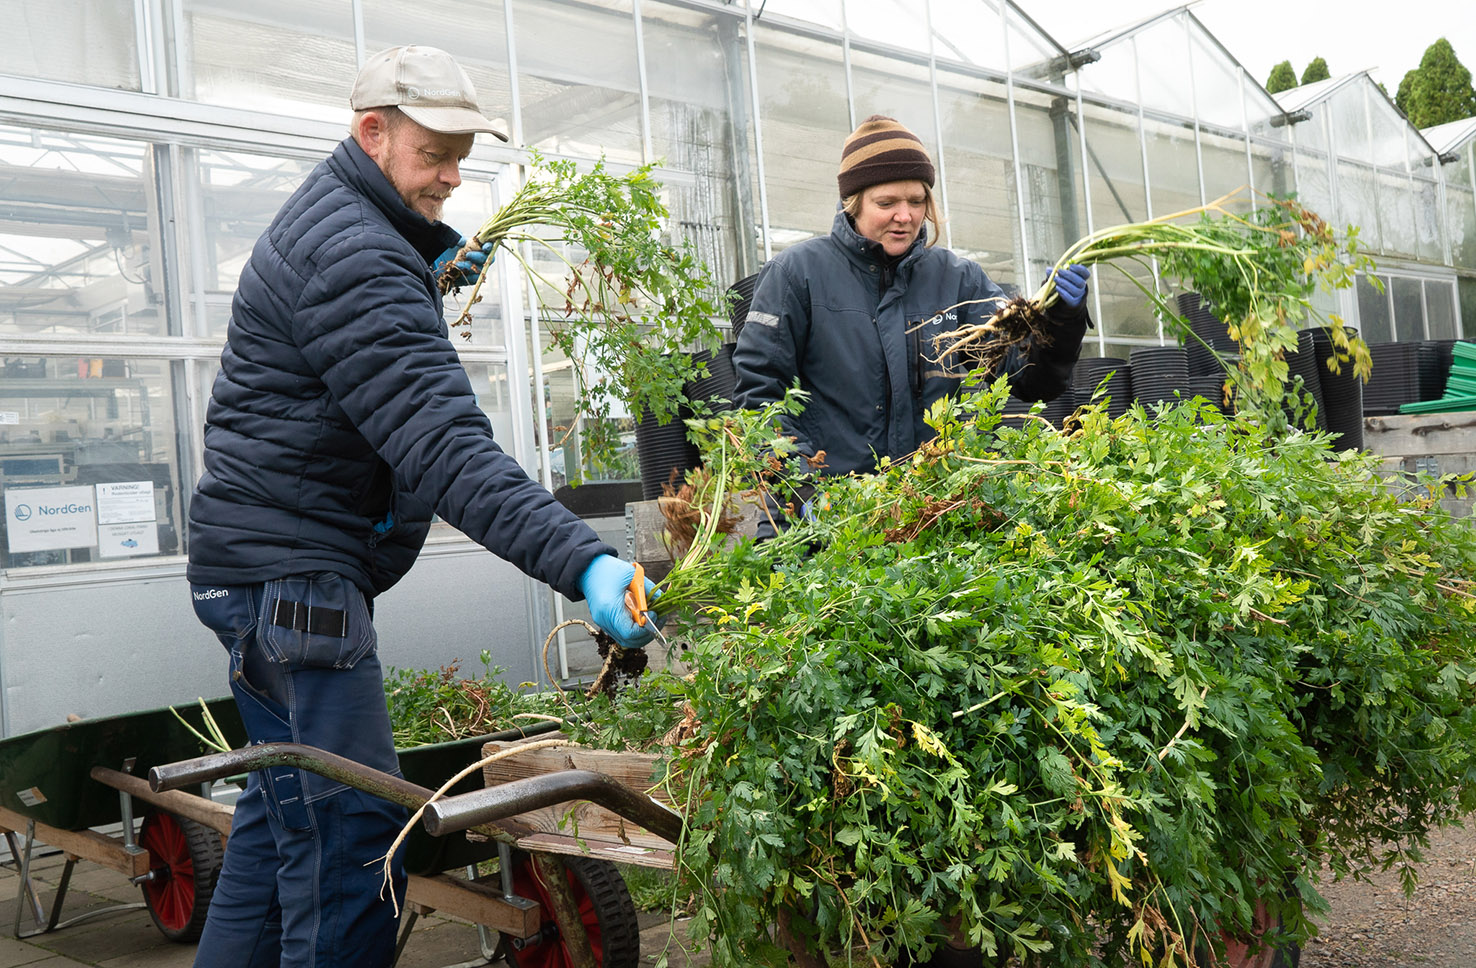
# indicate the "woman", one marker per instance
pixel 854 315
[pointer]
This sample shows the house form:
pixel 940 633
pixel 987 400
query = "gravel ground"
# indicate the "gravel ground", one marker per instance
pixel 1373 925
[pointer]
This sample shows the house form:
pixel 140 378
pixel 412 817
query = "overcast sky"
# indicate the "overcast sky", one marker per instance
pixel 1388 37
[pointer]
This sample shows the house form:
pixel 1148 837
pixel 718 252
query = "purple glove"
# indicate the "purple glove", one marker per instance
pixel 1071 285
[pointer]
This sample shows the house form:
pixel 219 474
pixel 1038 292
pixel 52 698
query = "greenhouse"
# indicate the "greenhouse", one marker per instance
pixel 146 144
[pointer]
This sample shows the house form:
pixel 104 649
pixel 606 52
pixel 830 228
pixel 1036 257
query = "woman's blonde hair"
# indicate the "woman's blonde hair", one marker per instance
pixel 851 205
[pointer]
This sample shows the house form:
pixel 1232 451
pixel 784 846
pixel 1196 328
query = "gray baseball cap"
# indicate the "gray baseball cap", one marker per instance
pixel 427 84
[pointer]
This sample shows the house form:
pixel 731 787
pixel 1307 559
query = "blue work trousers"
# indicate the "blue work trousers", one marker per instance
pixel 302 882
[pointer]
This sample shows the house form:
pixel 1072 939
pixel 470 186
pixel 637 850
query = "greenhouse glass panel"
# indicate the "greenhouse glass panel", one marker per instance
pixel 233 199
pixel 1164 68
pixel 1390 133
pixel 1466 290
pixel 479 43
pixel 896 23
pixel 696 79
pixel 1263 114
pixel 1031 53
pixel 1049 191
pixel 1428 223
pixel 277 56
pixel 1374 324
pixel 1397 215
pixel 86 43
pixel 969 32
pixel 896 89
pixel 1409 308
pixel 1440 309
pixel 980 167
pixel 1115 166
pixel 1114 76
pixel 1460 221
pixel 1217 94
pixel 1115 169
pixel 100 433
pixel 805 119
pixel 1271 168
pixel 1313 189
pixel 826 13
pixel 1349 115
pixel 1311 135
pixel 1224 164
pixel 1173 166
pixel 577 79
pixel 80 245
pixel 1359 203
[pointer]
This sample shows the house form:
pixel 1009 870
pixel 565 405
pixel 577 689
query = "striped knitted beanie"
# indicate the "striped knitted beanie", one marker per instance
pixel 882 150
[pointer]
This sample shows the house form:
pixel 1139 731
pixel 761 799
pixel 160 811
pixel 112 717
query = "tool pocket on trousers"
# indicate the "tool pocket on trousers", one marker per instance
pixel 227 610
pixel 316 622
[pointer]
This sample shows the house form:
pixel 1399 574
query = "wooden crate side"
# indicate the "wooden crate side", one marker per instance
pixel 579 820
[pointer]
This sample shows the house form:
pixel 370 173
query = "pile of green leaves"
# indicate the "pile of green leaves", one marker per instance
pixel 1090 696
pixel 631 302
pixel 429 706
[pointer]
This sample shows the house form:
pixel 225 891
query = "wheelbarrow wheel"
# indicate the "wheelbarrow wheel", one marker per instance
pixel 605 907
pixel 184 857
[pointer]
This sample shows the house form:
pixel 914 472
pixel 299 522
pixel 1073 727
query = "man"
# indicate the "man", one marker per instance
pixel 341 419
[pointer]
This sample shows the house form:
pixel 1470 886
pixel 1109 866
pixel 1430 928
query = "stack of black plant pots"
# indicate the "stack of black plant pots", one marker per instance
pixel 741 293
pixel 1211 386
pixel 1159 374
pixel 1206 355
pixel 1435 357
pixel 1091 371
pixel 664 452
pixel 715 389
pixel 1342 393
pixel 1395 379
pixel 1306 364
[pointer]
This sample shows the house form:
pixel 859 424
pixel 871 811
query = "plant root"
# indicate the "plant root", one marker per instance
pixel 1020 322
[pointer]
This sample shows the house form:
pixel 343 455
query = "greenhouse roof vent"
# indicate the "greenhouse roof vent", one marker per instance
pixel 1287 118
pixel 1083 57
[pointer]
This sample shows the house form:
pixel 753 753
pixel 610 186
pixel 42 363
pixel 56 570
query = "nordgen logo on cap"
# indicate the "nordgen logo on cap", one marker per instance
pixel 427 84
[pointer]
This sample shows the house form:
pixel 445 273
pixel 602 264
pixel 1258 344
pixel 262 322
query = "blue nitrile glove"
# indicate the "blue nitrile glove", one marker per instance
pixel 464 271
pixel 604 584
pixel 1071 285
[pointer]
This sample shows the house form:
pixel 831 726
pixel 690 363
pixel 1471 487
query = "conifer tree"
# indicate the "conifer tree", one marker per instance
pixel 1282 78
pixel 1316 71
pixel 1437 91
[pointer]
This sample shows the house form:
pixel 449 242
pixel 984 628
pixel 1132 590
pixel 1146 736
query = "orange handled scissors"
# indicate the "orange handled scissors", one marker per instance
pixel 635 597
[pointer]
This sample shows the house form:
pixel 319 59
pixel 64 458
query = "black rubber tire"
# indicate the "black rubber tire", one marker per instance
pixel 609 915
pixel 185 857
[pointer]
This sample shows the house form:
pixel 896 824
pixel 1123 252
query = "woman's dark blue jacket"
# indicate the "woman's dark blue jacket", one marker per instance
pixel 857 330
pixel 342 416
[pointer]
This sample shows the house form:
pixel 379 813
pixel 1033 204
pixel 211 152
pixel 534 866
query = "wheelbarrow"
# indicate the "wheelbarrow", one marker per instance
pixel 57 785
pixel 560 903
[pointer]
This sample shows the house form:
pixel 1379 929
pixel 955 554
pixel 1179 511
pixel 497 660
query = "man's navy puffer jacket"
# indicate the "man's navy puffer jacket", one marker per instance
pixel 342 416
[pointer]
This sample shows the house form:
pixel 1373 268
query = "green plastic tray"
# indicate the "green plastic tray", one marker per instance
pixel 1443 405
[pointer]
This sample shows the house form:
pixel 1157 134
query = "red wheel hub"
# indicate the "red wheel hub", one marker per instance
pixel 171 892
pixel 550 953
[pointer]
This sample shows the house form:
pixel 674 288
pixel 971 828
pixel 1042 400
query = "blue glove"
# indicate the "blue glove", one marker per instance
pixel 1071 285
pixel 604 584
pixel 463 271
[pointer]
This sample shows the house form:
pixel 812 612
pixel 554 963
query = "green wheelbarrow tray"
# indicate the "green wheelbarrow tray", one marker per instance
pixel 44 775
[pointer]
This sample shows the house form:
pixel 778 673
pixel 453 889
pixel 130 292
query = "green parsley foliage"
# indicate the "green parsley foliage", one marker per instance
pixel 1089 697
